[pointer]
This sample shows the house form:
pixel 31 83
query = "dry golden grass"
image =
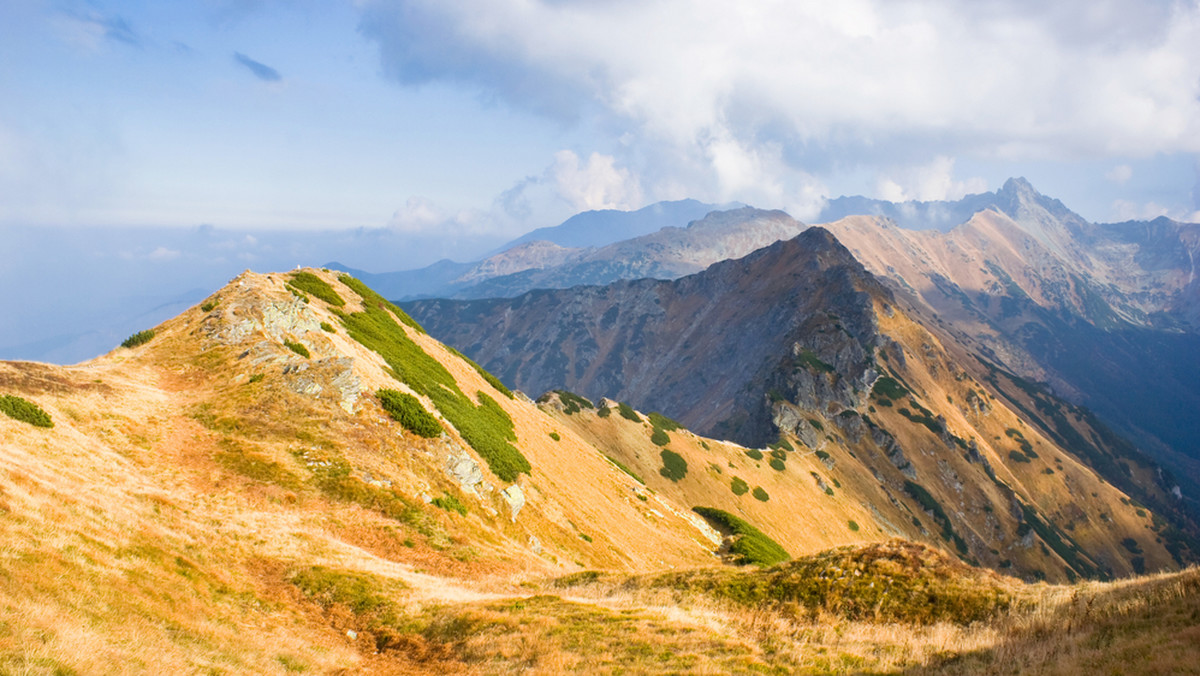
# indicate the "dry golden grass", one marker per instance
pixel 165 524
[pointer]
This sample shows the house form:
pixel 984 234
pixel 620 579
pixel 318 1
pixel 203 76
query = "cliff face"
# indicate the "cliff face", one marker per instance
pixel 703 347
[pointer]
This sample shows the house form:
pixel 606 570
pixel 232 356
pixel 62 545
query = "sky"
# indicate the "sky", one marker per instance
pixel 179 142
pixel 493 118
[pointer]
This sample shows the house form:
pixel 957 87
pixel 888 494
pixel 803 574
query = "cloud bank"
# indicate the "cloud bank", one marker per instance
pixel 755 100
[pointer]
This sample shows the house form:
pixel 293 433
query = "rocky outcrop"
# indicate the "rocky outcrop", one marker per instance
pixel 250 314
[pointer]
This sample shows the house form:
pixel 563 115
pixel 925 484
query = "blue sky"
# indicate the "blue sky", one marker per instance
pixel 493 118
pixel 150 151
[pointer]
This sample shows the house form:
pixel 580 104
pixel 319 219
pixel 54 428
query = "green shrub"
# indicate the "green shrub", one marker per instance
pixel 751 545
pixel 888 389
pixel 604 412
pixel 408 411
pixel 257 377
pixel 660 437
pixel 782 445
pixel 930 504
pixel 1132 545
pixel 821 455
pixel 777 464
pixel 450 504
pixel 311 284
pixel 663 422
pixel 808 359
pixel 852 526
pixel 297 348
pixel 554 436
pixel 139 338
pixel 572 403
pixel 754 453
pixel 26 411
pixel 760 495
pixel 209 306
pixel 1017 456
pixel 374 300
pixel 817 424
pixel 779 454
pixel 483 424
pixel 327 327
pixel 628 413
pixel 674 466
pixel 739 487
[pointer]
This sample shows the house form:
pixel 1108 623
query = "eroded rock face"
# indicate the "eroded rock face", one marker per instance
pixel 797 316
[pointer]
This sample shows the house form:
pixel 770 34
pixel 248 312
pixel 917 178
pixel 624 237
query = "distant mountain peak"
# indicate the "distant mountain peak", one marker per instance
pixel 1018 185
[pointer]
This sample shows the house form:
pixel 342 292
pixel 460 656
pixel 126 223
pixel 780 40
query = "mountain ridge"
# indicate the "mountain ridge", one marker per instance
pixel 233 492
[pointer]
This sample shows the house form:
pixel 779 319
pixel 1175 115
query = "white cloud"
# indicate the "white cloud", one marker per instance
pixel 418 214
pixel 1120 173
pixel 933 181
pixel 162 254
pixel 596 184
pixel 738 100
pixel 1126 210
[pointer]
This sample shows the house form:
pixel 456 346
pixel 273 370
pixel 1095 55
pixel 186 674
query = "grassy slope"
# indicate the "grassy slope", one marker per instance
pixel 179 518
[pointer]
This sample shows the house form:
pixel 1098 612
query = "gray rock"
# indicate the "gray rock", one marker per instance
pixel 515 498
pixel 462 468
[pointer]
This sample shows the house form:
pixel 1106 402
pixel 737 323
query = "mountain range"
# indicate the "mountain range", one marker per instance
pixel 849 447
pixel 1101 314
pixel 294 476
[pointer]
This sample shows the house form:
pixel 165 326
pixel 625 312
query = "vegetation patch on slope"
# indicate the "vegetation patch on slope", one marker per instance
pixel 408 411
pixel 24 410
pixel 628 413
pixel 307 282
pixel 897 581
pixel 888 389
pixel 139 338
pixel 484 425
pixel 750 545
pixel 298 348
pixel 572 403
pixel 739 486
pixel 659 437
pixel 674 466
pixel 662 422
pixel 372 299
pixel 930 504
